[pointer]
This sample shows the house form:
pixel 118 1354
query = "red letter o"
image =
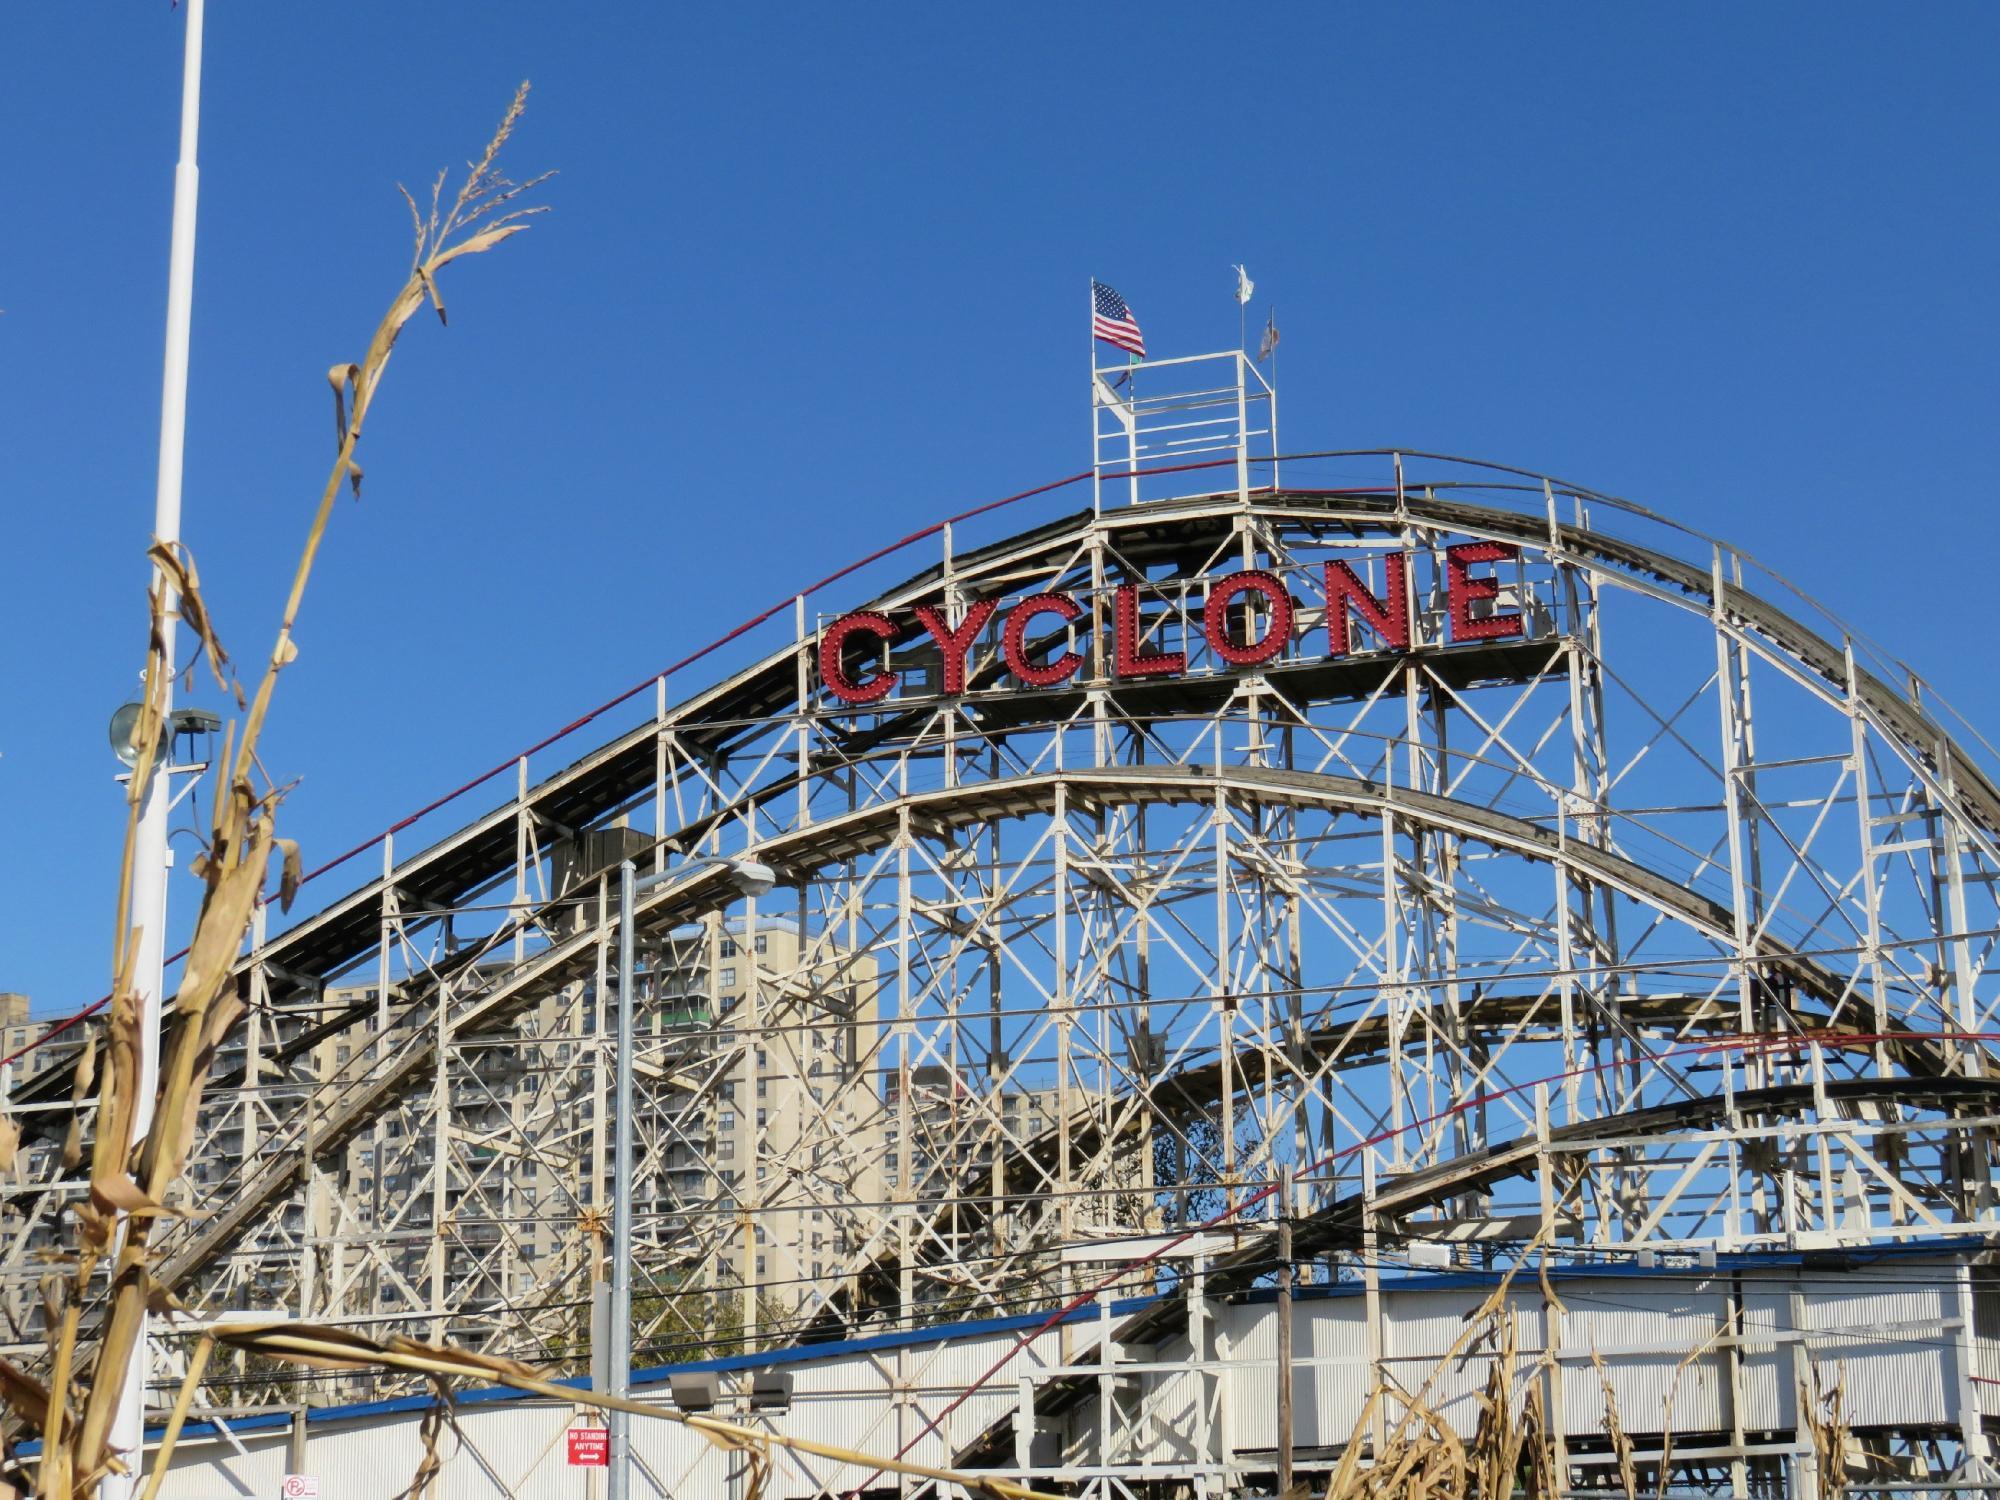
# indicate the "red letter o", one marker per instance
pixel 1215 617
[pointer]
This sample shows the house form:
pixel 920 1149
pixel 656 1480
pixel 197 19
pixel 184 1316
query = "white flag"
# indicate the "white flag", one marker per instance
pixel 1244 286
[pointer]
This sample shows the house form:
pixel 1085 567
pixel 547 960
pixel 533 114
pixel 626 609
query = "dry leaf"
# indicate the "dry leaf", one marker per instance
pixel 24 1394
pixel 430 285
pixel 293 873
pixel 86 1070
pixel 481 242
pixel 174 559
pixel 118 1191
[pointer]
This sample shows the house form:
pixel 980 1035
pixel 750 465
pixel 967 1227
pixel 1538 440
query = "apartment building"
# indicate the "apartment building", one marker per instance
pixel 759 1135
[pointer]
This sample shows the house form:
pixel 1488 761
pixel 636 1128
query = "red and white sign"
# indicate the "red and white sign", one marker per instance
pixel 1242 619
pixel 301 1487
pixel 590 1447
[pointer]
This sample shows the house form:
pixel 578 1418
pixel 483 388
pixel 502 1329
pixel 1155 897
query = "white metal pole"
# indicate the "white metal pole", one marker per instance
pixel 151 856
pixel 620 1485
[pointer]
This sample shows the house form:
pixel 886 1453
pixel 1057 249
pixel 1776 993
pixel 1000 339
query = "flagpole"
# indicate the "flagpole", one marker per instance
pixel 151 852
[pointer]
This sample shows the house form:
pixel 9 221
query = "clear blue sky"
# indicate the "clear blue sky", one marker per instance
pixel 816 275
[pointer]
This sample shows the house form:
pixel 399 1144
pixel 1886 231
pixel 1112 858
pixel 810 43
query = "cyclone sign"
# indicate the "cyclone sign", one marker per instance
pixel 852 668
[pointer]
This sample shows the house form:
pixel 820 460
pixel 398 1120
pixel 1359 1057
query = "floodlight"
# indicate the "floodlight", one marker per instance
pixel 195 721
pixel 694 1390
pixel 124 730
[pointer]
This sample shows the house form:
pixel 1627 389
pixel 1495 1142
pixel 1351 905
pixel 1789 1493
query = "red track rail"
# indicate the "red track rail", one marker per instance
pixel 58 1028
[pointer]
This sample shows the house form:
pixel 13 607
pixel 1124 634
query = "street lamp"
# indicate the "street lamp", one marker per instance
pixel 182 723
pixel 150 851
pixel 752 878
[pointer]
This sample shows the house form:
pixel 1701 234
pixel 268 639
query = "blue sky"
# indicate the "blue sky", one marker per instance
pixel 816 276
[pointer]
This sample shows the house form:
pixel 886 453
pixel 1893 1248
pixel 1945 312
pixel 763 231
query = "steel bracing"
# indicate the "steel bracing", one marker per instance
pixel 1656 918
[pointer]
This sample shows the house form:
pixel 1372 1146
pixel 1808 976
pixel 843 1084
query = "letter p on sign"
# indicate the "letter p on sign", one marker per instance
pixel 301 1487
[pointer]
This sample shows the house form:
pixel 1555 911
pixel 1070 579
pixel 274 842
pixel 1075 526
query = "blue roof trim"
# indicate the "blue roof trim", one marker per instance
pixel 806 1353
pixel 653 1375
pixel 1624 1268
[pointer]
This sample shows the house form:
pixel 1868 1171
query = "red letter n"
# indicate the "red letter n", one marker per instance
pixel 1389 618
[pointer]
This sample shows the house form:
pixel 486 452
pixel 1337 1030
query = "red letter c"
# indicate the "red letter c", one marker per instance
pixel 833 652
pixel 1016 640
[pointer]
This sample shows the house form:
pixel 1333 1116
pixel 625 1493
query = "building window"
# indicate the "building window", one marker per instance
pixel 726 1120
pixel 762 942
pixel 763 1058
pixel 762 1115
pixel 760 1265
pixel 729 1091
pixel 727 977
pixel 763 1090
pixel 728 949
pixel 726 1150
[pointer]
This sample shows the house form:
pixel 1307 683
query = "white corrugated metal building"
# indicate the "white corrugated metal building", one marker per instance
pixel 1728 1345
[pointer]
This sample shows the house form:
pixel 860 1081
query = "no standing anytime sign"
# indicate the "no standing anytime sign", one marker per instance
pixel 590 1447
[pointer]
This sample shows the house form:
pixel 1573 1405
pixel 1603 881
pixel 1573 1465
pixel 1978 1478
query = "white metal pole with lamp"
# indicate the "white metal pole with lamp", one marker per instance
pixel 151 855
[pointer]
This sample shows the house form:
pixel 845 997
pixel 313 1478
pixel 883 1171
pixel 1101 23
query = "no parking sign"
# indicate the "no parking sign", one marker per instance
pixel 590 1447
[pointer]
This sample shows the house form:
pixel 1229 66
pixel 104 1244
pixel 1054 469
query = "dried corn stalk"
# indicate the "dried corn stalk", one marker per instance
pixel 1422 1456
pixel 1614 1429
pixel 1825 1418
pixel 328 1348
pixel 130 1180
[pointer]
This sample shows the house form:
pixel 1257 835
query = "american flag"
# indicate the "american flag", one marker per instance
pixel 1112 321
